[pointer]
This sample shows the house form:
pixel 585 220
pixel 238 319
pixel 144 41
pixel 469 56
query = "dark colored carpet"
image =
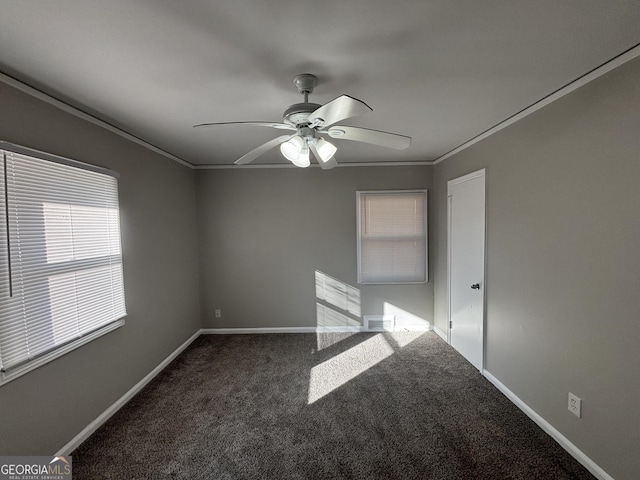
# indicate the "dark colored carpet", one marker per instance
pixel 333 406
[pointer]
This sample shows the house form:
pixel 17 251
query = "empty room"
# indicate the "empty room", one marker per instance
pixel 319 240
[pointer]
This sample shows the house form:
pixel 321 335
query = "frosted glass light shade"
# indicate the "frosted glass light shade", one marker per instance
pixel 303 159
pixel 291 148
pixel 325 149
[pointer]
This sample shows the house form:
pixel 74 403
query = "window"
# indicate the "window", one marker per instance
pixel 392 237
pixel 60 257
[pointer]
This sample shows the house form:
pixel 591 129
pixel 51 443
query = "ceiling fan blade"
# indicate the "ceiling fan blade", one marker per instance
pixel 329 164
pixel 336 110
pixel 281 126
pixel 265 147
pixel 374 137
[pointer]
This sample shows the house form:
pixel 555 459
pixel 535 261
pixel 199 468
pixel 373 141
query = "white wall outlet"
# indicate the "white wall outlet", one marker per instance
pixel 218 313
pixel 575 405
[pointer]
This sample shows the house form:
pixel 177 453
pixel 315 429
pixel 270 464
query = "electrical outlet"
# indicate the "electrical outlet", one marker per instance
pixel 575 405
pixel 218 313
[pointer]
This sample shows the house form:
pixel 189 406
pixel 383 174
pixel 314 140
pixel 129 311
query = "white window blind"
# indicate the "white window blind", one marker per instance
pixel 60 259
pixel 392 237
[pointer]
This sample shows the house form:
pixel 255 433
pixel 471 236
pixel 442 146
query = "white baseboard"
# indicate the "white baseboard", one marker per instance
pixel 240 331
pixel 340 329
pixel 108 413
pixel 413 328
pixel 440 333
pixel 564 442
pixel 325 329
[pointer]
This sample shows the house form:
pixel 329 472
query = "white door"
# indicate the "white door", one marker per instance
pixel 466 202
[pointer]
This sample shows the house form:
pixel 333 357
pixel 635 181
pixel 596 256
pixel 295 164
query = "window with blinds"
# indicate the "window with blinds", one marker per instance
pixel 60 257
pixel 392 236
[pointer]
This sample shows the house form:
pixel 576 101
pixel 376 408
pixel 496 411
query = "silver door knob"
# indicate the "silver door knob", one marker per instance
pixel 475 286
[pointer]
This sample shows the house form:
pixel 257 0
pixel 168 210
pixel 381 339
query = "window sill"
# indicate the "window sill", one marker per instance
pixel 18 371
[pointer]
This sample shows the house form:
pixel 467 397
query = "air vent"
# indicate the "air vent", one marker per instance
pixel 380 323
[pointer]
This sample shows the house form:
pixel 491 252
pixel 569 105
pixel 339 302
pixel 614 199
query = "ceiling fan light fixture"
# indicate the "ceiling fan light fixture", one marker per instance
pixel 309 121
pixel 325 149
pixel 291 148
pixel 302 160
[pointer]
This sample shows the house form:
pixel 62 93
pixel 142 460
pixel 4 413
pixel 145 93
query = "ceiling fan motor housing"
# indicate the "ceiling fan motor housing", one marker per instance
pixel 298 113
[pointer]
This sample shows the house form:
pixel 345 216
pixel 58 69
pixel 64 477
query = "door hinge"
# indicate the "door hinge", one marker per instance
pixel 450 324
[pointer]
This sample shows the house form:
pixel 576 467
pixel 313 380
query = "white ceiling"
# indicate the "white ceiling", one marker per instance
pixel 440 71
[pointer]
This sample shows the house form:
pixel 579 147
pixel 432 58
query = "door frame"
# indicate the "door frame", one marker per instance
pixel 465 178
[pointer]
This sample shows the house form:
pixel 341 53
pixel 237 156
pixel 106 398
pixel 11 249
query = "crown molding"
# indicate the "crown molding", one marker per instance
pixel 284 165
pixel 615 62
pixel 597 72
pixel 65 107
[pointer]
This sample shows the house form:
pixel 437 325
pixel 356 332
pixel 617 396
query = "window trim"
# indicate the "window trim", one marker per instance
pixel 41 359
pixel 359 194
pixel 50 157
pixel 47 357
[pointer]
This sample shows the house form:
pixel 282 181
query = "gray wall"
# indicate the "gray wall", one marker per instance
pixel 563 271
pixel 44 409
pixel 264 233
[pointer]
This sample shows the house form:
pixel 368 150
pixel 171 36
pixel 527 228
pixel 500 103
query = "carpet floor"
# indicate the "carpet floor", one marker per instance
pixel 325 406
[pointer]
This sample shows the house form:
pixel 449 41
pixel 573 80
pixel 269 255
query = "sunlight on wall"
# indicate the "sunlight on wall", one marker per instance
pixel 337 293
pixel 328 317
pixel 337 371
pixel 406 320
pixel 337 309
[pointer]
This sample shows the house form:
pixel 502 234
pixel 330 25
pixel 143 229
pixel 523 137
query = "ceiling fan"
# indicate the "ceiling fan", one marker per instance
pixel 310 121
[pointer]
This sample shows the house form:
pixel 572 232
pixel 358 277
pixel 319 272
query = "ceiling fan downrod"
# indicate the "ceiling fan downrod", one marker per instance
pixel 297 114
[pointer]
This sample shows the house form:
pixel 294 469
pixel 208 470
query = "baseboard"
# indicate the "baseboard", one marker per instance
pixel 340 329
pixel 440 333
pixel 240 331
pixel 108 413
pixel 325 329
pixel 564 442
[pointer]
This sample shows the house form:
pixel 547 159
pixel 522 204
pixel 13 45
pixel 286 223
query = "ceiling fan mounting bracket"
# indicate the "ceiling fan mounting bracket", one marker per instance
pixel 305 82
pixel 297 114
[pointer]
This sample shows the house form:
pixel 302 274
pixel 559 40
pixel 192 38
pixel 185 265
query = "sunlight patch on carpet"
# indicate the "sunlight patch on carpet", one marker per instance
pixel 335 372
pixel 402 339
pixel 328 339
